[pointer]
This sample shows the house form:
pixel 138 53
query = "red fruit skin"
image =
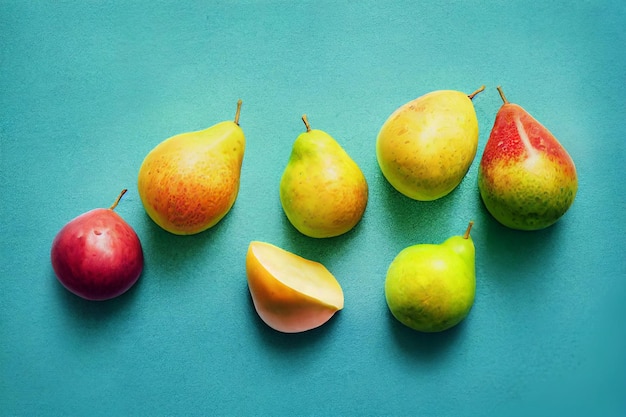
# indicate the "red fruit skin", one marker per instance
pixel 513 147
pixel 526 178
pixel 97 255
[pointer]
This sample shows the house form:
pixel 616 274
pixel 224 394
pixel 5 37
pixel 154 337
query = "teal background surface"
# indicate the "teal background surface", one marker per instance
pixel 87 89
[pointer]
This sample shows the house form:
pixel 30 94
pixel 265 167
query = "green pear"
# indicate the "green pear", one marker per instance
pixel 431 288
pixel 190 181
pixel 425 147
pixel 526 178
pixel 322 190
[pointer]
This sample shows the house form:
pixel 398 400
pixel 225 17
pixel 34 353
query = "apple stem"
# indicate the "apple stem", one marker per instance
pixel 117 200
pixel 502 95
pixel 306 123
pixel 471 96
pixel 469 227
pixel 238 112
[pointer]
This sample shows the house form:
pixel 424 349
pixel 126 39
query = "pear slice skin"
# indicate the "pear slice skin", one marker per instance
pixel 291 294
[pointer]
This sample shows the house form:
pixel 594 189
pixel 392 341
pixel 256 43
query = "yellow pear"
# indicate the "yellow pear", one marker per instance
pixel 291 294
pixel 426 146
pixel 322 190
pixel 190 181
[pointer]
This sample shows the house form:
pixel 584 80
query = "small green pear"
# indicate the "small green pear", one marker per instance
pixel 431 288
pixel 425 147
pixel 322 190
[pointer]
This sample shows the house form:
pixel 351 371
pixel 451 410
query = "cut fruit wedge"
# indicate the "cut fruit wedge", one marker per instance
pixel 291 294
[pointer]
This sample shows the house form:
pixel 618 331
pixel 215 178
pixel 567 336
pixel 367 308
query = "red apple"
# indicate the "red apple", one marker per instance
pixel 97 255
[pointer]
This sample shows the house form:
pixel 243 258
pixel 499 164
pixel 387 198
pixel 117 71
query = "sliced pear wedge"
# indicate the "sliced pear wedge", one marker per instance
pixel 291 294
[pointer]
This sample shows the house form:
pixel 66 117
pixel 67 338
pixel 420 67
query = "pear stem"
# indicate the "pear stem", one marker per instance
pixel 238 112
pixel 117 200
pixel 471 96
pixel 306 123
pixel 467 231
pixel 502 95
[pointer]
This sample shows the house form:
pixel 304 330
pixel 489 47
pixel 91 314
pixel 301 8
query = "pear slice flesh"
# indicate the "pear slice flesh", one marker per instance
pixel 290 293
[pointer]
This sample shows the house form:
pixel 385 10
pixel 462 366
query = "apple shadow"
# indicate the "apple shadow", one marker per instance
pixel 93 314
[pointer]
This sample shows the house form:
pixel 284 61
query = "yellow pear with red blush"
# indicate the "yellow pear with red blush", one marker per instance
pixel 190 181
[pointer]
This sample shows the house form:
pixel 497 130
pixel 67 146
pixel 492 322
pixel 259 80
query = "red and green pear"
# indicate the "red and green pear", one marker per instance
pixel 526 178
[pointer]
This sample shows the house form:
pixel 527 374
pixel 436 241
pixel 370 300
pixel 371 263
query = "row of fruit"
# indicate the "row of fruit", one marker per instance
pixel 190 181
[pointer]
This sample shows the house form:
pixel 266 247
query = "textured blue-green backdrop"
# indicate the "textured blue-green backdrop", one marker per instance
pixel 87 88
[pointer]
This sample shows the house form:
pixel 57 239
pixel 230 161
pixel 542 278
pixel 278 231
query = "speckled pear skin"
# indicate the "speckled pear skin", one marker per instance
pixel 425 147
pixel 431 288
pixel 323 192
pixel 190 181
pixel 526 178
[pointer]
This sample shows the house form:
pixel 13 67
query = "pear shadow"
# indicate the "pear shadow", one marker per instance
pixel 173 252
pixel 421 345
pixel 509 251
pixel 288 342
pixel 413 221
pixel 324 250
